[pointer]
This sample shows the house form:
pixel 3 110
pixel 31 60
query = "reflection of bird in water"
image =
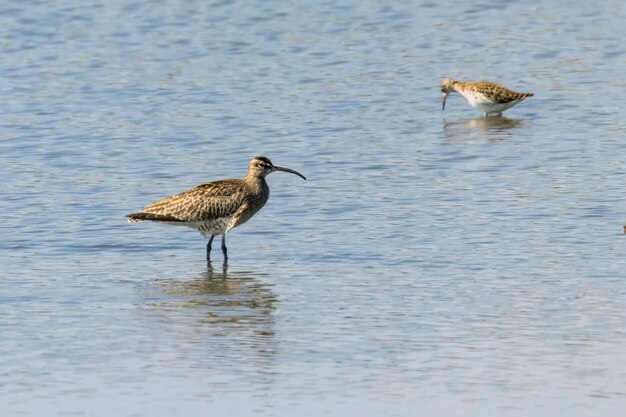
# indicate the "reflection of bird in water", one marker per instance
pixel 216 319
pixel 485 123
pixel 216 207
pixel 220 297
pixel 487 97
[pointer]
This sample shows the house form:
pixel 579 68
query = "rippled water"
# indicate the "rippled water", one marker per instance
pixel 435 263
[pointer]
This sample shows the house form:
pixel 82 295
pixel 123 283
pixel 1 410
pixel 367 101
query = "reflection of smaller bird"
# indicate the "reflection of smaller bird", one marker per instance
pixel 485 123
pixel 216 207
pixel 625 229
pixel 487 97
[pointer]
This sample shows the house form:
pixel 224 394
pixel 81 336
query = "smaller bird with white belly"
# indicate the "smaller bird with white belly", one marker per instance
pixel 487 97
pixel 216 207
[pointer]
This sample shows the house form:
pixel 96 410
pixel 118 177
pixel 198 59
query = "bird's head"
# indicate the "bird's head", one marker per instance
pixel 261 166
pixel 447 86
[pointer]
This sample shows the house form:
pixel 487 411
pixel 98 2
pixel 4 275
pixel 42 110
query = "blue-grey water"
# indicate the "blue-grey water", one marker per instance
pixel 434 263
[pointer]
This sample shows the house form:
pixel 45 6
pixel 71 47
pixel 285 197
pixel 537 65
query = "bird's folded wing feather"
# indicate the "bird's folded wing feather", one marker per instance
pixel 204 202
pixel 239 217
pixel 497 93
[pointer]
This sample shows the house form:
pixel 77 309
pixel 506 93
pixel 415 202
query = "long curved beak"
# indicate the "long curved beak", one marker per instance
pixel 445 96
pixel 288 170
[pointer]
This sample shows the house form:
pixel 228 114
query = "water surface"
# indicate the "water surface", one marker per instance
pixel 434 263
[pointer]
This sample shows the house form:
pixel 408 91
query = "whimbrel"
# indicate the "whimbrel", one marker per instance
pixel 487 97
pixel 216 207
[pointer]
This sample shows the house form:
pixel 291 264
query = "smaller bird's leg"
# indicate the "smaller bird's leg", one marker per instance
pixel 208 249
pixel 224 250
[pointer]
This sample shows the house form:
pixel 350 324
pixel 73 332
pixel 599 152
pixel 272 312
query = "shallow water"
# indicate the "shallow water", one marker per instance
pixel 434 263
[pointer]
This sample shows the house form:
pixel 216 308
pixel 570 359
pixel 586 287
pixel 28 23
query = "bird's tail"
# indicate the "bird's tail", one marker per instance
pixel 522 96
pixel 139 217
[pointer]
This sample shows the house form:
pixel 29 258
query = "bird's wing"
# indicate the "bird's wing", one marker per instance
pixel 498 93
pixel 239 217
pixel 205 202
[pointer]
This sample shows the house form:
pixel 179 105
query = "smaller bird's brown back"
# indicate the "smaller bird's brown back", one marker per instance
pixel 495 92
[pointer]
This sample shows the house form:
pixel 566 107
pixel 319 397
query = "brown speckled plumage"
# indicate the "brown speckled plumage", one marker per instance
pixel 216 207
pixel 209 202
pixel 486 96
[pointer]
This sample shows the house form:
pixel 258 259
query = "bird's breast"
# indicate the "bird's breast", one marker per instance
pixel 211 227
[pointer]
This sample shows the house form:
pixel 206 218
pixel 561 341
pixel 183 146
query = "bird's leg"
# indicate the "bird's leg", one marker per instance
pixel 208 249
pixel 224 250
